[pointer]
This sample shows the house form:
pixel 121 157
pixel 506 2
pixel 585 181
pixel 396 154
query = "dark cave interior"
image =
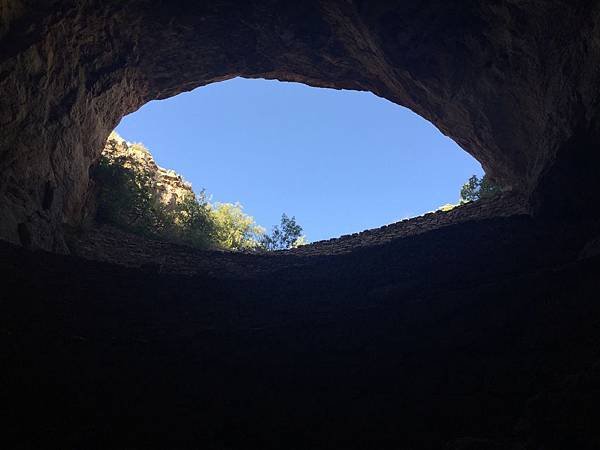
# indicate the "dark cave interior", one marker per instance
pixel 478 328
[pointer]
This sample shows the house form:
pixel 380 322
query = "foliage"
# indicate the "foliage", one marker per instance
pixel 476 189
pixel 192 222
pixel 128 198
pixel 286 235
pixel 234 229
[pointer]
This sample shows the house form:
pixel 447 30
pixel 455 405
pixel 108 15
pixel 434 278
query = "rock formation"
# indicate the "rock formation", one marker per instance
pixel 169 186
pixel 476 328
pixel 514 83
pixel 473 336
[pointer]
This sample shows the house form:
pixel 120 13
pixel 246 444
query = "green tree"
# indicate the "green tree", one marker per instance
pixel 487 188
pixel 192 221
pixel 288 234
pixel 235 229
pixel 475 189
pixel 126 197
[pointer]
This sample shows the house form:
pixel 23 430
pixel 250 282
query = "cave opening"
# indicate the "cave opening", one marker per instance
pixel 339 161
pixel 480 332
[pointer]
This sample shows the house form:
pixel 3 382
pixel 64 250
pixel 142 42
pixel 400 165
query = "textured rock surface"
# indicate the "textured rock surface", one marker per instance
pixel 515 83
pixel 437 333
pixel 476 336
pixel 169 186
pixel 110 244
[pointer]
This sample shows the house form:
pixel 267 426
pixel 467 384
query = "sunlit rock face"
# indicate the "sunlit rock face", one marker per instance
pixel 169 187
pixel 514 83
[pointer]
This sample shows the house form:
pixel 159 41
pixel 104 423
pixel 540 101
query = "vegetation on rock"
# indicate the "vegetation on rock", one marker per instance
pixel 474 189
pixel 477 188
pixel 135 194
pixel 235 229
pixel 286 235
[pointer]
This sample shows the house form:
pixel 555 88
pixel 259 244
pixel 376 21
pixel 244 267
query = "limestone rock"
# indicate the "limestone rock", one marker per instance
pixel 168 184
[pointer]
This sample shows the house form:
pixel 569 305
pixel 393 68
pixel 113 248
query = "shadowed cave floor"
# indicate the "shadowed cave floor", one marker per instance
pixel 480 335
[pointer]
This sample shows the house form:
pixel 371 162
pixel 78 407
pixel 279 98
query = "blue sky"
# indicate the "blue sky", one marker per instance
pixel 340 161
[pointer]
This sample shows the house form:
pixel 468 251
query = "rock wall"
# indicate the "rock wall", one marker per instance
pixel 110 244
pixel 515 83
pixel 169 186
pixel 481 336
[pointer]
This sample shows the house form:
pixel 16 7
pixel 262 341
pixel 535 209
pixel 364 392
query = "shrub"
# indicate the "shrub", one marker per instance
pixel 234 229
pixel 128 198
pixel 476 189
pixel 191 222
pixel 286 235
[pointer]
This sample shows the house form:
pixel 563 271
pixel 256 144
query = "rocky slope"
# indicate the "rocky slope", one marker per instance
pixel 169 186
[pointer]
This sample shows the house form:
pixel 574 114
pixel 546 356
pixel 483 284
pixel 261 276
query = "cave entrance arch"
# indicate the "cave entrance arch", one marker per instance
pixel 524 104
pixel 339 161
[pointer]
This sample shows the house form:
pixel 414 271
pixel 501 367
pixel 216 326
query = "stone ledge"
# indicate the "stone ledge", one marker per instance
pixel 110 244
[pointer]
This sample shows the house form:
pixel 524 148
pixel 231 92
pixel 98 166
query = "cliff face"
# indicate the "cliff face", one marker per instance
pixel 514 83
pixel 169 186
